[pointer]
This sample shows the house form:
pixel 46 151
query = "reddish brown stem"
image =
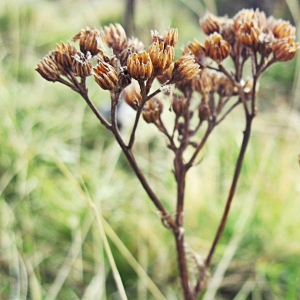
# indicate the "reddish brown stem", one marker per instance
pixel 247 132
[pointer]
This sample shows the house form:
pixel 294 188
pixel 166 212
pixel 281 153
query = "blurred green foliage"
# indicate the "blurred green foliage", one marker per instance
pixel 49 243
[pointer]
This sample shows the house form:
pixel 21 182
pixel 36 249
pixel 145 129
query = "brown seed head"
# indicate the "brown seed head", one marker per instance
pixel 179 105
pixel 171 37
pixel 248 16
pixel 64 55
pixel 152 110
pixel 124 77
pixel 285 49
pixel 166 76
pixel 203 83
pixel 211 23
pixel 198 50
pixel 115 38
pixel 82 67
pixel 281 29
pixel 216 47
pixel 248 34
pixel 89 40
pixel 185 68
pixel 139 66
pixel 48 68
pixel 106 76
pixel 132 95
pixel 162 56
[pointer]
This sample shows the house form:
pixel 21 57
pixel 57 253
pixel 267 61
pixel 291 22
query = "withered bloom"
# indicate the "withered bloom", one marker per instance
pixel 285 49
pixel 124 77
pixel 64 55
pixel 166 76
pixel 203 83
pixel 106 76
pixel 216 47
pixel 152 110
pixel 185 68
pixel 81 65
pixel 115 38
pixel 281 29
pixel 162 56
pixel 48 68
pixel 132 95
pixel 133 46
pixel 139 66
pixel 179 105
pixel 248 34
pixel 203 111
pixel 210 23
pixel 89 40
pixel 198 50
pixel 171 37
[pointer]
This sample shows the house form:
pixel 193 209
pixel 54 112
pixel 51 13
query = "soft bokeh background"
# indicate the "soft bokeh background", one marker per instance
pixel 54 156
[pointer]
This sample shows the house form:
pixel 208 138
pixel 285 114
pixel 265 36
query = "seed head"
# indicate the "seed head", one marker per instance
pixel 185 68
pixel 210 23
pixel 115 38
pixel 82 67
pixel 285 49
pixel 64 55
pixel 248 34
pixel 162 56
pixel 216 47
pixel 89 40
pixel 171 37
pixel 198 50
pixel 132 95
pixel 48 68
pixel 106 76
pixel 203 111
pixel 152 110
pixel 281 29
pixel 139 66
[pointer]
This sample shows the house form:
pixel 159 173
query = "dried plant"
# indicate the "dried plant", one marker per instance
pixel 202 93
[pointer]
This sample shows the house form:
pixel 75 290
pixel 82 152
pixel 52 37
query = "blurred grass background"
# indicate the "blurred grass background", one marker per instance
pixel 54 155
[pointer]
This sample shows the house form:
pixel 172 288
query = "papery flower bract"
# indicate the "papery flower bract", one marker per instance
pixel 139 65
pixel 162 56
pixel 216 47
pixel 82 67
pixel 48 68
pixel 185 68
pixel 115 38
pixel 285 49
pixel 210 23
pixel 64 55
pixel 171 37
pixel 89 40
pixel 152 110
pixel 106 76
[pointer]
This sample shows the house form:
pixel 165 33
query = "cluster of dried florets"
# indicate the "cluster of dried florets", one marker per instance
pixel 118 59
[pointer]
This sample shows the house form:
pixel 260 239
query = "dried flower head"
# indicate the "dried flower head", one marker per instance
pixel 179 105
pixel 216 47
pixel 280 28
pixel 198 50
pixel 89 40
pixel 185 68
pixel 152 110
pixel 139 65
pixel 211 23
pixel 166 76
pixel 124 77
pixel 82 66
pixel 248 34
pixel 64 55
pixel 171 37
pixel 115 38
pixel 106 76
pixel 285 49
pixel 203 83
pixel 162 56
pixel 132 95
pixel 48 68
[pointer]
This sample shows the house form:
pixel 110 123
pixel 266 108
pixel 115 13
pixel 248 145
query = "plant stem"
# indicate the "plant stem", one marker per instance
pixel 247 132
